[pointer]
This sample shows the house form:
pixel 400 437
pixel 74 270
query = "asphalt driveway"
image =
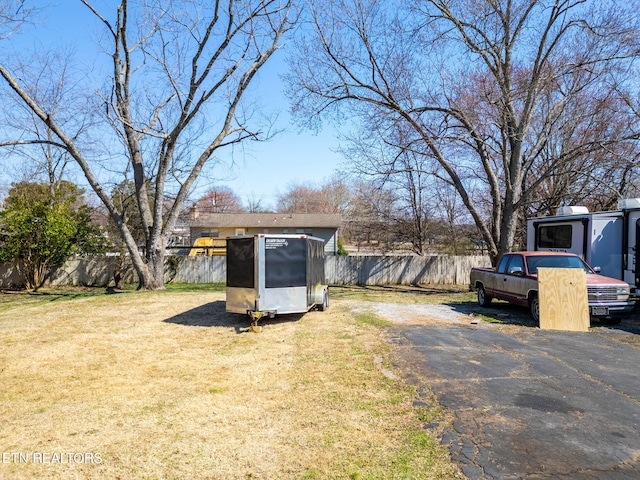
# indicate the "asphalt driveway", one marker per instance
pixel 530 403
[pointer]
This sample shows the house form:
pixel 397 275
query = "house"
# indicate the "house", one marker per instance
pixel 223 225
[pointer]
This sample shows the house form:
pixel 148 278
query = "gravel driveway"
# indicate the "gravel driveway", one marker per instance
pixel 423 314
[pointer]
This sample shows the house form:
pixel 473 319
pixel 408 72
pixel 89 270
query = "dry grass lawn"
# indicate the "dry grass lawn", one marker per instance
pixel 168 386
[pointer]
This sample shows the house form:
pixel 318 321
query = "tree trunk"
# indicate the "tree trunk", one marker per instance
pixel 118 268
pixel 508 228
pixel 151 276
pixel 33 273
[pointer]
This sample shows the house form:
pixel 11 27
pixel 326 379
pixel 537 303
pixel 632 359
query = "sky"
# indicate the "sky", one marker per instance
pixel 262 170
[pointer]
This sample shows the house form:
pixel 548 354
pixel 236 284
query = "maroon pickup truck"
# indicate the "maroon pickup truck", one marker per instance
pixel 515 280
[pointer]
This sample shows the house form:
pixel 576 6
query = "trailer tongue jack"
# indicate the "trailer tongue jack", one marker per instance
pixel 255 317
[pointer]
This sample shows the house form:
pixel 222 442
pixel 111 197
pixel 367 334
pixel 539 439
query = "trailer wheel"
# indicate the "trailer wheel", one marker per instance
pixel 483 299
pixel 325 301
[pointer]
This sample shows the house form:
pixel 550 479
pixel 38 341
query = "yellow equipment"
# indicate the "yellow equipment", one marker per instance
pixel 207 246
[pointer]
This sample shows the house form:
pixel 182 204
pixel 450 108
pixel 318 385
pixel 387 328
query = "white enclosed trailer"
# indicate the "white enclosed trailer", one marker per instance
pixel 605 240
pixel 269 274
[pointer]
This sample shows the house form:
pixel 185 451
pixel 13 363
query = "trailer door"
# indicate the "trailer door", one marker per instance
pixel 285 262
pixel 240 263
pixel 631 260
pixel 285 274
pixel 241 278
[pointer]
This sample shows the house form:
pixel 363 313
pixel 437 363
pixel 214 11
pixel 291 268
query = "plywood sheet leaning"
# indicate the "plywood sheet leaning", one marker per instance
pixel 563 299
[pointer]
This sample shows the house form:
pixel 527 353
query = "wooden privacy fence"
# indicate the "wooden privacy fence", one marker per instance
pixel 400 270
pixel 349 270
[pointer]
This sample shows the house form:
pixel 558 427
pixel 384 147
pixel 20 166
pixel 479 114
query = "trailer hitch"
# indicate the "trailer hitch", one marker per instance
pixel 255 317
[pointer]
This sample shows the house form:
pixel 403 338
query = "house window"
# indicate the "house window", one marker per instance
pixel 239 231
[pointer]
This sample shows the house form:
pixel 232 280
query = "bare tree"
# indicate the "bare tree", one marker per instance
pixel 332 196
pixel 219 200
pixel 366 220
pixel 254 204
pixel 338 190
pixel 300 198
pixel 456 235
pixel 424 201
pixel 13 15
pixel 481 87
pixel 48 80
pixel 598 179
pixel 179 70
pixel 414 207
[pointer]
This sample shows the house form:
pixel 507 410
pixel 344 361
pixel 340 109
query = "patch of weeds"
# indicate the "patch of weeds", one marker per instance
pixel 396 399
pixel 157 407
pixel 487 318
pixel 216 390
pixel 42 296
pixel 428 414
pixel 421 440
pixel 359 476
pixel 376 407
pixel 420 455
pixel 370 318
pixel 196 287
pixel 66 294
pixel 312 473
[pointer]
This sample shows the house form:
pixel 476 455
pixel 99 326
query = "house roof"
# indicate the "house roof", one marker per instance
pixel 267 220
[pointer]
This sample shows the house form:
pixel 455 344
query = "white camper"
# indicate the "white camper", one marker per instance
pixel 605 240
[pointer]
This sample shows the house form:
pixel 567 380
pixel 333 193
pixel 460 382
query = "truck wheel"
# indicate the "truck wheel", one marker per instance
pixel 325 301
pixel 534 306
pixel 483 299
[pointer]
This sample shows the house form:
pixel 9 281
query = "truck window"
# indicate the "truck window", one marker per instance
pixel 502 266
pixel 554 236
pixel 533 263
pixel 516 262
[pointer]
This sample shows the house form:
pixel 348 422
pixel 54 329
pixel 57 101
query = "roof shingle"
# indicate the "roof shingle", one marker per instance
pixel 267 220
